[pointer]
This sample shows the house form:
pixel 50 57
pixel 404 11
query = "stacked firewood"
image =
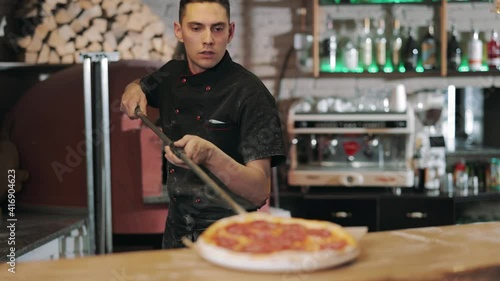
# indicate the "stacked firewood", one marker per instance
pixel 57 31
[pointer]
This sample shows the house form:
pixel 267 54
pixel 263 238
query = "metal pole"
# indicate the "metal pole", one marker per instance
pixel 87 91
pixel 107 153
pixel 97 128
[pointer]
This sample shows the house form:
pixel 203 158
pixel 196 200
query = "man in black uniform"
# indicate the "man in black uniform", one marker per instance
pixel 219 113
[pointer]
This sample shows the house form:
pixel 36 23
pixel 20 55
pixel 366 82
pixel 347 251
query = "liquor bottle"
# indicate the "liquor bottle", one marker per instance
pixel 329 46
pixel 366 45
pixel 454 52
pixel 351 56
pixel 494 51
pixel 396 45
pixel 429 49
pixel 380 45
pixel 410 51
pixel 475 52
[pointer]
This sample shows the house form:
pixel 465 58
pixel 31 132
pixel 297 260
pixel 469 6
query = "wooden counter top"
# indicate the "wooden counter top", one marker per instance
pixel 458 253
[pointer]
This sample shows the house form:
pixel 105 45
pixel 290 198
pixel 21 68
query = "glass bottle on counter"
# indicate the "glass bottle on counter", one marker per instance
pixel 454 52
pixel 475 52
pixel 410 51
pixel 329 46
pixel 494 51
pixel 366 46
pixel 396 45
pixel 429 49
pixel 381 45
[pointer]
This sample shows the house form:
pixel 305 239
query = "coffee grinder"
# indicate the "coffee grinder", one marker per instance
pixel 430 147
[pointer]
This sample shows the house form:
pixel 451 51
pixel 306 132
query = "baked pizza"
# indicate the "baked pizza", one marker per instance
pixel 261 242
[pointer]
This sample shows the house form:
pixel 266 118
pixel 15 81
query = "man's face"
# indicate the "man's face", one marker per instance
pixel 205 31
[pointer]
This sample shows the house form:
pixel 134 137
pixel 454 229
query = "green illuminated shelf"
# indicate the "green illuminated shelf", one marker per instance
pixel 336 2
pixel 408 74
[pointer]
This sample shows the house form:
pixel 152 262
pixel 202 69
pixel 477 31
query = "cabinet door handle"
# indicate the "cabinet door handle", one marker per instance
pixel 416 215
pixel 341 215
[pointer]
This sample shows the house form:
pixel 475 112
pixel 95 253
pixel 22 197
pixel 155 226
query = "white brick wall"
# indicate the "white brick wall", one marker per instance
pixel 264 33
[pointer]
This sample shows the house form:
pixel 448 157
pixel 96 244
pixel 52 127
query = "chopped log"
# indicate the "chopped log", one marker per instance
pixel 140 52
pixel 50 23
pixel 167 50
pixel 66 49
pixel 24 42
pixel 147 44
pixel 43 56
pixel 155 56
pixel 47 7
pixel 118 30
pixel 136 6
pixel 66 32
pixel 55 39
pixel 54 58
pixel 41 31
pixel 125 44
pixel 136 37
pixel 74 10
pixel 77 57
pixel 68 59
pixel 121 19
pixel 126 55
pixel 89 14
pixel 100 24
pixel 62 16
pixel 85 4
pixel 30 57
pixel 110 7
pixel 35 45
pixel 110 43
pixel 124 8
pixel 157 44
pixel 153 29
pixel 135 22
pixel 93 35
pixel 94 47
pixel 81 42
pixel 77 26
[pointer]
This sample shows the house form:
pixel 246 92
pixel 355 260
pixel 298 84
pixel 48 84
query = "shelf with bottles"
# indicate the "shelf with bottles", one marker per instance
pixel 415 55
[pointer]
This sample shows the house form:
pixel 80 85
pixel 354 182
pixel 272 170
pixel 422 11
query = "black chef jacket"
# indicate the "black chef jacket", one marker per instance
pixel 226 105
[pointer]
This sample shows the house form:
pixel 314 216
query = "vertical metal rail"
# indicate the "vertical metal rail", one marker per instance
pixel 87 92
pixel 97 130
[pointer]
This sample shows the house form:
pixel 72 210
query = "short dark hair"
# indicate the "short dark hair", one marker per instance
pixel 183 3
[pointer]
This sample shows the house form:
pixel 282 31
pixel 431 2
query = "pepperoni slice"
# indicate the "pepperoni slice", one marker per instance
pixel 225 242
pixel 262 225
pixel 294 232
pixel 237 229
pixel 318 232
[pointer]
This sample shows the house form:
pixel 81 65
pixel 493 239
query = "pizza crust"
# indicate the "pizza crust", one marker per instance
pixel 283 261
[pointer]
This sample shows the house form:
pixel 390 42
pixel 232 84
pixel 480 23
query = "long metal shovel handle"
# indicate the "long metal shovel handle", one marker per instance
pixel 196 169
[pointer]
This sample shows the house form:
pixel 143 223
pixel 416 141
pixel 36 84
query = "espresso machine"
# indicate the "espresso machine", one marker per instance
pixel 333 147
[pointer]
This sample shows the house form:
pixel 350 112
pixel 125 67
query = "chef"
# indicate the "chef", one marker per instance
pixel 219 113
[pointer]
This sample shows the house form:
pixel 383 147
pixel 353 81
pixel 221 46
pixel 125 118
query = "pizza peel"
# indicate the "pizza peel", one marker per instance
pixel 195 167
